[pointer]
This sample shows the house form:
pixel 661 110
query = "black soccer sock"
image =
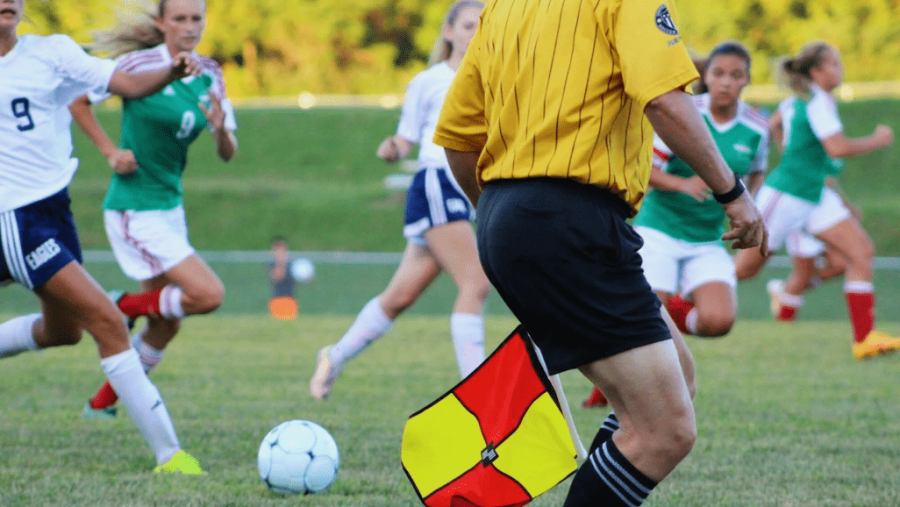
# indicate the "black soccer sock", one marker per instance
pixel 608 479
pixel 610 425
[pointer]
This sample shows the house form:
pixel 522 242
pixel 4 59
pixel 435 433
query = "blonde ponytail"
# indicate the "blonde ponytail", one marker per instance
pixel 135 29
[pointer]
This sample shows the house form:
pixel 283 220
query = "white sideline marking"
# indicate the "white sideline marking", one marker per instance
pixel 264 256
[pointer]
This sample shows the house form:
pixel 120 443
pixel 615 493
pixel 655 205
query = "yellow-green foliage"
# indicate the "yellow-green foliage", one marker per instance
pixel 277 47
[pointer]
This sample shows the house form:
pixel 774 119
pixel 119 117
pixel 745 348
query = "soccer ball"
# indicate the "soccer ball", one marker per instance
pixel 298 457
pixel 302 270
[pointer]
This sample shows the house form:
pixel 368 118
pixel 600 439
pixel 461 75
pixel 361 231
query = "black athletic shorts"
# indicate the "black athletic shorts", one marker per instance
pixel 565 261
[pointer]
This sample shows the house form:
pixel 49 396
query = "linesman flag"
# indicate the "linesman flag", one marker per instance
pixel 497 439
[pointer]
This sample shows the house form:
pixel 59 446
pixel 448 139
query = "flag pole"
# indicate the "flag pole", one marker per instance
pixel 563 405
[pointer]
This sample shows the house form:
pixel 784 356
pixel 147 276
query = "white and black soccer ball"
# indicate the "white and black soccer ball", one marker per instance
pixel 302 270
pixel 298 457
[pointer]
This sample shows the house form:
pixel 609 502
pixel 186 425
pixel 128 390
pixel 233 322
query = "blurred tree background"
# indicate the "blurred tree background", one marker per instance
pixel 278 47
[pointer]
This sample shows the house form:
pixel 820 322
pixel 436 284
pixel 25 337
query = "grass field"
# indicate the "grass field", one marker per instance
pixel 786 417
pixel 312 175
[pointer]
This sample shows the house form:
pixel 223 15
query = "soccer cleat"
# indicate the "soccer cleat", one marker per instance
pixel 875 344
pixel 116 296
pixel 595 400
pixel 180 463
pixel 90 412
pixel 325 375
pixel 775 288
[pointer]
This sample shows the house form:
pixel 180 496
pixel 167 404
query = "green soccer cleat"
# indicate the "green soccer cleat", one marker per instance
pixel 180 463
pixel 90 412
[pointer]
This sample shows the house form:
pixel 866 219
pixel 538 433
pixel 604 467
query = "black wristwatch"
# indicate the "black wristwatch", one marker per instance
pixel 732 194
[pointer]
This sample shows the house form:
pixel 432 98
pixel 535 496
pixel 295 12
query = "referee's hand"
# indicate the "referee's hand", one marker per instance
pixel 747 226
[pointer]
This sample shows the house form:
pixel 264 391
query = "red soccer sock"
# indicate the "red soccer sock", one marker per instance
pixel 105 397
pixel 787 313
pixel 136 305
pixel 862 313
pixel 678 309
pixel 595 399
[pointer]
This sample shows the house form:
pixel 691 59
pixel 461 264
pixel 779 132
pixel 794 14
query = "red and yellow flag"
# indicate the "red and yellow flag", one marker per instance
pixel 497 439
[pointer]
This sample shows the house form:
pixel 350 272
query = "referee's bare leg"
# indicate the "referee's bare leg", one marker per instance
pixel 646 388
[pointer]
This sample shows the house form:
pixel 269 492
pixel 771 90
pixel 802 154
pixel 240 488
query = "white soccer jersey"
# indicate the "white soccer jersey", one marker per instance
pixel 39 78
pixel 424 98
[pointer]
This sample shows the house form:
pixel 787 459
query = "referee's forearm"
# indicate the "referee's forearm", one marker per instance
pixel 681 127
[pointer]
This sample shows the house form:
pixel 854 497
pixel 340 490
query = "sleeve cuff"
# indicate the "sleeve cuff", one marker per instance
pixel 457 143
pixel 678 81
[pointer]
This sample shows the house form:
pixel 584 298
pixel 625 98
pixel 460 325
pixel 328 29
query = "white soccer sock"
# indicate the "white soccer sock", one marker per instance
pixel 16 335
pixel 468 341
pixel 143 402
pixel 690 321
pixel 150 356
pixel 859 287
pixel 170 302
pixel 370 325
pixel 792 300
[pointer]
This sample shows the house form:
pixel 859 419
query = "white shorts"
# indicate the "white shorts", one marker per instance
pixel 827 213
pixel 804 244
pixel 784 214
pixel 672 265
pixel 148 243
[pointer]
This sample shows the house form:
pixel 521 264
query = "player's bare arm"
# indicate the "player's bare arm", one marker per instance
pixel 680 126
pixel 226 142
pixel 121 161
pixel 776 129
pixel 136 86
pixel 754 181
pixel 464 165
pixel 693 186
pixel 841 146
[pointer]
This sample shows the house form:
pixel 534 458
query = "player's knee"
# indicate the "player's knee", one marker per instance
pixel 866 250
pixel 209 298
pixel 716 323
pixel 478 289
pixel 67 337
pixel 107 327
pixel 746 272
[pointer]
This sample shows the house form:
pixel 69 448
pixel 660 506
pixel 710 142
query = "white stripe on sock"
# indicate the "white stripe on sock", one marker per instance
pixel 625 475
pixel 594 462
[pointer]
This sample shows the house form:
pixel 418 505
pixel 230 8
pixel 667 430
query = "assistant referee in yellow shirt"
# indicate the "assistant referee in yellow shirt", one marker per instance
pixel 547 128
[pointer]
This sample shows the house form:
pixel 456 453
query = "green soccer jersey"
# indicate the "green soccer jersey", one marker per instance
pixel 805 164
pixel 744 144
pixel 159 129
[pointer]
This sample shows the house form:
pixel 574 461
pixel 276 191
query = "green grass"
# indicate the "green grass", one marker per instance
pixel 313 176
pixel 344 289
pixel 785 417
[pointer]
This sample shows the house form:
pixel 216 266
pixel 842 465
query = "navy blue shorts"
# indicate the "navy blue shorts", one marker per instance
pixel 565 261
pixel 434 198
pixel 38 240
